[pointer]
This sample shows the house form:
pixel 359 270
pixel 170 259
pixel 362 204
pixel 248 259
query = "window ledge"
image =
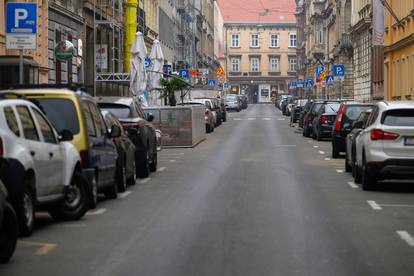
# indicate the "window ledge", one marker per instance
pixel 274 47
pixel 255 47
pixel 292 47
pixel 274 73
pixel 235 47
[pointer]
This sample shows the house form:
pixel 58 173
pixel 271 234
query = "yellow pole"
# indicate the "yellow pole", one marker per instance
pixel 130 30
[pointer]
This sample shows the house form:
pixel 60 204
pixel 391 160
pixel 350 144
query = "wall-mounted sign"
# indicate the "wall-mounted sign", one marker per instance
pixel 101 56
pixel 64 50
pixel 21 25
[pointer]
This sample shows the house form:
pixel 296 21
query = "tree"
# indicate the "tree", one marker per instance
pixel 170 86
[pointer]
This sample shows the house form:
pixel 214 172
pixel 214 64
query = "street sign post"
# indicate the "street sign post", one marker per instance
pixel 309 82
pixel 211 83
pixel 21 29
pixel 329 80
pixel 185 74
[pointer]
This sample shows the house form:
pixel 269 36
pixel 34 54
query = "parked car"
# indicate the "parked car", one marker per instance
pixel 310 115
pixel 208 113
pixel 47 170
pixel 70 108
pixel 223 110
pixel 126 172
pixel 158 134
pixel 357 127
pixel 304 112
pixel 297 109
pixel 385 147
pixel 9 227
pixel 232 102
pixel 139 128
pixel 324 121
pixel 215 106
pixel 348 113
pixel 244 101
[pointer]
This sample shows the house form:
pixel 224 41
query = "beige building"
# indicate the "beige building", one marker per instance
pixel 260 58
pixel 150 8
pixel 35 61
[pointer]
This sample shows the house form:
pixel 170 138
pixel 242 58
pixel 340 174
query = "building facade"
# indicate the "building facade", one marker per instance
pixel 399 51
pixel 36 67
pixel 261 58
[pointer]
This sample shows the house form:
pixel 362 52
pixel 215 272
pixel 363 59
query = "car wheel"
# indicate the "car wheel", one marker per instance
pixel 121 176
pixel 25 210
pixel 335 152
pixel 75 204
pixel 348 168
pixel 143 165
pixel 357 174
pixel 93 201
pixel 153 165
pixel 9 231
pixel 133 179
pixel 369 181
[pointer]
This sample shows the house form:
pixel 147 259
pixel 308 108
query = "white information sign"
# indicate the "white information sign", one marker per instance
pixel 101 56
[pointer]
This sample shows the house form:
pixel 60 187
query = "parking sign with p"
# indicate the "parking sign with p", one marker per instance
pixel 21 25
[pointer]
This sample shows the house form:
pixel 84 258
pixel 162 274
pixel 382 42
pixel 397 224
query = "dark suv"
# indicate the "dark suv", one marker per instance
pixel 139 129
pixel 347 115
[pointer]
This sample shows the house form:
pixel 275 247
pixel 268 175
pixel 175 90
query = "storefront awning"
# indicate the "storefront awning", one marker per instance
pixel 14 60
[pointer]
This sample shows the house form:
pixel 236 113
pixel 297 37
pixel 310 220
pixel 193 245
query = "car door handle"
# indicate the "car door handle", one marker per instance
pixel 32 153
pixel 50 154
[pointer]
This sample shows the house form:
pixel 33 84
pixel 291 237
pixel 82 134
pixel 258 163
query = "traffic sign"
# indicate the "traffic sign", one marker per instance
pixel 329 80
pixel 220 72
pixel 320 73
pixel 292 84
pixel 309 82
pixel 211 83
pixel 184 73
pixel 299 84
pixel 339 71
pixel 167 70
pixel 147 63
pixel 21 25
pixel 226 85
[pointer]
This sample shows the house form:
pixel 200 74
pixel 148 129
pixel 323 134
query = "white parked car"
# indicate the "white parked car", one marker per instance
pixel 385 148
pixel 48 169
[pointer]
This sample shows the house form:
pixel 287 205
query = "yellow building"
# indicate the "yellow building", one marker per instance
pixel 399 52
pixel 36 68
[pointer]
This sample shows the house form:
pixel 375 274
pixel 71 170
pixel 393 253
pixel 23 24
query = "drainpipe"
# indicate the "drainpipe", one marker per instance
pixel 130 30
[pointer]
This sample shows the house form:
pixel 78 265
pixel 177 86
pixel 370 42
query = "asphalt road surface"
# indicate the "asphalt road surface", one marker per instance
pixel 255 198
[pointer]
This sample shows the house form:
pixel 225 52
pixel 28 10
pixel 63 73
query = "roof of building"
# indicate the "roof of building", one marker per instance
pixel 262 11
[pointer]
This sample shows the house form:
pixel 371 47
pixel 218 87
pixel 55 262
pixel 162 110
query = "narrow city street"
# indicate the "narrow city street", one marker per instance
pixel 255 198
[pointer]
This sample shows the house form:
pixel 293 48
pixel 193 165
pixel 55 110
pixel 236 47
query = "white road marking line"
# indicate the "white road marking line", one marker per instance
pixel 353 185
pixel 172 161
pixel 327 159
pixel 374 205
pixel 321 152
pixel 285 146
pixel 316 147
pixel 405 236
pixel 281 119
pixel 161 169
pixel 99 211
pixel 398 205
pixel 124 194
pixel 237 119
pixel 339 171
pixel 251 119
pixel 172 154
pixel 146 180
pixel 266 119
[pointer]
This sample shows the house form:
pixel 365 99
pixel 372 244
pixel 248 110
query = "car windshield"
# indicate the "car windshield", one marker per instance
pixel 316 107
pixel 119 110
pixel 231 97
pixel 352 112
pixel 61 113
pixel 399 117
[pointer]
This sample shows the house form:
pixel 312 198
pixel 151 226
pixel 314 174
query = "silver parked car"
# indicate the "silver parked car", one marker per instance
pixel 385 147
pixel 209 113
pixel 233 102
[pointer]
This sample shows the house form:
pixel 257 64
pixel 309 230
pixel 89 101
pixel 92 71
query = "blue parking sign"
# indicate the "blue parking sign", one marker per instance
pixel 21 18
pixel 309 82
pixel 184 73
pixel 339 70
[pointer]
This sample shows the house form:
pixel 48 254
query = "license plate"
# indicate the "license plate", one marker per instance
pixel 409 141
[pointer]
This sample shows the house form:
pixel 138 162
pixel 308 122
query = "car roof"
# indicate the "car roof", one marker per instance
pixel 396 104
pixel 115 100
pixel 6 102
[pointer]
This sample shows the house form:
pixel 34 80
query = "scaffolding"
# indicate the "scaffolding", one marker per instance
pixel 109 35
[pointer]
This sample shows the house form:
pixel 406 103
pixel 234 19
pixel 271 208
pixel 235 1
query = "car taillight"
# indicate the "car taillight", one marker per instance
pixel 84 156
pixel 206 112
pixel 1 147
pixel 127 126
pixel 379 134
pixel 338 123
pixel 324 120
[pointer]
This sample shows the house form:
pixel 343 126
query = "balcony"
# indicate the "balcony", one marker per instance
pixel 345 42
pixel 318 51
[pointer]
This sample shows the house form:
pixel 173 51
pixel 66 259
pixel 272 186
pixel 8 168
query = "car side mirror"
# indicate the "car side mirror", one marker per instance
pixel 115 131
pixel 358 124
pixel 150 117
pixel 66 135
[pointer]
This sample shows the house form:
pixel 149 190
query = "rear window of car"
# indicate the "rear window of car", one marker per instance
pixel 119 110
pixel 231 97
pixel 316 107
pixel 352 112
pixel 332 107
pixel 399 117
pixel 61 113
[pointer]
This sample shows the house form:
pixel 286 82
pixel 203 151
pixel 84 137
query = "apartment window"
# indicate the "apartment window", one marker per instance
pixel 235 40
pixel 274 64
pixel 254 64
pixel 292 40
pixel 274 40
pixel 292 64
pixel 235 65
pixel 254 41
pixel 319 35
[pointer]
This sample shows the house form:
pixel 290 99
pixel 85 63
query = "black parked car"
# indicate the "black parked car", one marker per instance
pixel 323 121
pixel 9 229
pixel 304 112
pixel 244 101
pixel 139 128
pixel 348 113
pixel 125 164
pixel 297 110
pixel 357 127
pixel 308 118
